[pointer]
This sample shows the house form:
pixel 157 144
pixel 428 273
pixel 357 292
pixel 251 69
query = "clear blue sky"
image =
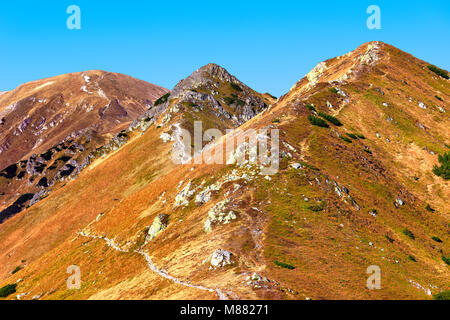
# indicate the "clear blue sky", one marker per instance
pixel 269 45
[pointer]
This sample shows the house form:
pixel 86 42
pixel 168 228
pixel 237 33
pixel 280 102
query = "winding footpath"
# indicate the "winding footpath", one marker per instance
pixel 110 243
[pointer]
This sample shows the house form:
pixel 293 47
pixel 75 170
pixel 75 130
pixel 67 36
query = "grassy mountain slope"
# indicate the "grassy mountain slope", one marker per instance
pixel 346 197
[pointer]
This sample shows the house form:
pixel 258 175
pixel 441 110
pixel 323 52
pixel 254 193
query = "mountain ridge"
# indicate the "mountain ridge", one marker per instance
pixel 347 195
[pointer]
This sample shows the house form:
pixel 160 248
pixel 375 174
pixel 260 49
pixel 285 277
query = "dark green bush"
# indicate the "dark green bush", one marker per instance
pixel 7 290
pixel 439 72
pixel 389 239
pixel 352 135
pixel 315 121
pixel 17 269
pixel 437 239
pixel 334 90
pixel 429 208
pixel 359 135
pixel 444 295
pixel 311 107
pixel 162 100
pixel 284 265
pixel 446 260
pixel 330 119
pixel 276 121
pixel 409 234
pixel 229 100
pixel 412 258
pixel 444 170
pixel 235 86
pixel 317 207
pixel 439 98
pixel 346 139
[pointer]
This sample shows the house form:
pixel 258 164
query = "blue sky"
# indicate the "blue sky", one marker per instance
pixel 269 45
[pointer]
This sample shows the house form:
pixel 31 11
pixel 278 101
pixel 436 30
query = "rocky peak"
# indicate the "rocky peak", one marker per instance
pixel 207 76
pixel 218 94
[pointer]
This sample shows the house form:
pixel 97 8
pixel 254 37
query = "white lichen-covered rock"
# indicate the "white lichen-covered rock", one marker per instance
pixel 221 258
pixel 422 105
pixel 219 214
pixel 371 55
pixel 314 75
pixel 204 196
pixel 159 224
pixel 182 198
pixel 166 137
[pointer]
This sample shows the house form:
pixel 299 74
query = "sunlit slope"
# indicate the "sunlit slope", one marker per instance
pixel 345 197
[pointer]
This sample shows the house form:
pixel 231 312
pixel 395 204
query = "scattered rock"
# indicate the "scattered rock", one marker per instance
pixel 159 224
pixel 220 258
pixel 398 203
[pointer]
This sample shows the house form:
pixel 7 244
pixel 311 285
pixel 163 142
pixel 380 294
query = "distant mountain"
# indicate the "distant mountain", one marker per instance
pixel 358 138
pixel 48 129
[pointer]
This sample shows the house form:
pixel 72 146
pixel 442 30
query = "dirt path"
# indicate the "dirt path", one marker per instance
pixel 110 243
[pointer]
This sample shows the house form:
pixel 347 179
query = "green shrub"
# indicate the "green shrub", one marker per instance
pixel 17 269
pixel 311 107
pixel 429 208
pixel 437 239
pixel 446 260
pixel 439 98
pixel 346 139
pixel 235 86
pixel 330 119
pixel 412 258
pixel 368 151
pixel 7 290
pixel 315 121
pixel 439 72
pixel 284 265
pixel 162 100
pixel 276 121
pixel 317 207
pixel 409 234
pixel 389 239
pixel 444 170
pixel 359 135
pixel 352 135
pixel 229 100
pixel 444 295
pixel 334 90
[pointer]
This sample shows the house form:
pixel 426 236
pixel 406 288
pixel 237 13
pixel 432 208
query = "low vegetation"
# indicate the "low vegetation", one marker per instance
pixel 330 119
pixel 346 139
pixel 162 100
pixel 284 265
pixel 7 290
pixel 409 234
pixel 235 86
pixel 315 121
pixel 17 269
pixel 437 239
pixel 444 295
pixel 444 170
pixel 429 208
pixel 439 72
pixel 446 260
pixel 353 136
pixel 311 107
